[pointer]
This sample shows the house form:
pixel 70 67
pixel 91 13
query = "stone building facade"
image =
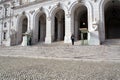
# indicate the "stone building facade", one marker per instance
pixel 56 20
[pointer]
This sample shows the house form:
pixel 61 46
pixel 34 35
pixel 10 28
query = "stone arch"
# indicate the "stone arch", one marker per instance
pixel 57 7
pixel 88 8
pixel 39 29
pixel 20 27
pixel 41 10
pixel 58 16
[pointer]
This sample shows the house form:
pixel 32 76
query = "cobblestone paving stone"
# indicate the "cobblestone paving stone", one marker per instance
pixel 26 63
pixel 103 52
pixel 51 69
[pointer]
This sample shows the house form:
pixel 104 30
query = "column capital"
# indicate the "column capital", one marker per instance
pixel 68 15
pixel 49 18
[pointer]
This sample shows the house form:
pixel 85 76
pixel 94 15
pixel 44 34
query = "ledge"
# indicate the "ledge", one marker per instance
pixel 1 2
pixel 31 3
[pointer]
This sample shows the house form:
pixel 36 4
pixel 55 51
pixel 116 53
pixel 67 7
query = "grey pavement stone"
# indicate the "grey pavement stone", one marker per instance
pixel 103 52
pixel 49 69
pixel 60 62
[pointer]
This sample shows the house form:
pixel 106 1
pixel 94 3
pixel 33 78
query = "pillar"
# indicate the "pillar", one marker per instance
pixel 76 28
pixel 8 42
pixel 49 30
pixel 93 35
pixel 93 25
pixel 68 28
pixel 32 28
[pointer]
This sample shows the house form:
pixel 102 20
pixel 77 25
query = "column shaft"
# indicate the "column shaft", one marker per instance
pixel 49 30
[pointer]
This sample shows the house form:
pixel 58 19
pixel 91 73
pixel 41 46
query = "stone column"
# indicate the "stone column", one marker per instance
pixel 93 21
pixel 32 26
pixel 24 42
pixel 76 28
pixel 16 25
pixel 94 35
pixel 8 43
pixel 49 32
pixel 68 28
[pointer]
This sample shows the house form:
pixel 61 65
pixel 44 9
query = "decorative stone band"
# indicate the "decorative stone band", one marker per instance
pixel 49 18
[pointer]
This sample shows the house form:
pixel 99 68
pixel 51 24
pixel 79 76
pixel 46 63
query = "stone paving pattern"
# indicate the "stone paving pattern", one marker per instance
pixel 60 62
pixel 51 69
pixel 102 52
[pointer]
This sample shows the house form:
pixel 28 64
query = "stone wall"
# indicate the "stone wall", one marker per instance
pixel 33 8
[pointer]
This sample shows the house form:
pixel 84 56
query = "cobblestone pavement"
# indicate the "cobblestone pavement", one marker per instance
pixel 102 52
pixel 60 62
pixel 12 68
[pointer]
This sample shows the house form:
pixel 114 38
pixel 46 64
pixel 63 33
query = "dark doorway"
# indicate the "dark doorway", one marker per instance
pixel 112 20
pixel 56 29
pixel 80 22
pixel 41 28
pixel 59 25
pixel 39 24
pixel 83 24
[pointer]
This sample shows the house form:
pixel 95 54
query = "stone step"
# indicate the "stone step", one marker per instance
pixel 112 42
pixel 60 50
pixel 64 51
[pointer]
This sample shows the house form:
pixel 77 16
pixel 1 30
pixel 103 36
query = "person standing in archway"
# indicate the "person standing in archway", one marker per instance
pixel 72 39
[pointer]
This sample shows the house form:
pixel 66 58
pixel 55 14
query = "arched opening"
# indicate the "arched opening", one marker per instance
pixel 42 28
pixel 80 21
pixel 39 31
pixel 112 19
pixel 24 25
pixel 59 25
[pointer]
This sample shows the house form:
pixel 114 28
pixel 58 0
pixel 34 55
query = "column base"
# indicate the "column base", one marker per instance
pixel 93 38
pixel 48 40
pixel 24 42
pixel 67 39
pixel 8 42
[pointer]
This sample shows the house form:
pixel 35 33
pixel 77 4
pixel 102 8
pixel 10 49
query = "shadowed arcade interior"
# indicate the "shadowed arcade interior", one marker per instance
pixel 24 25
pixel 23 28
pixel 80 21
pixel 112 20
pixel 42 28
pixel 59 25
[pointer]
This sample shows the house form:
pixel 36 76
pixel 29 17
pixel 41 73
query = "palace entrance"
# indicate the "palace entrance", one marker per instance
pixel 59 25
pixel 23 25
pixel 42 28
pixel 112 20
pixel 80 21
